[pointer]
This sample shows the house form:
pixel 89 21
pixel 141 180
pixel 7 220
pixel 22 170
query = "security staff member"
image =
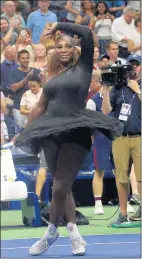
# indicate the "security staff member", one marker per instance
pixel 126 106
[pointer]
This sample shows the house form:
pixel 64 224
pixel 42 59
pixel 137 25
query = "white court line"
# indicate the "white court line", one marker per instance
pixel 111 243
pixel 28 238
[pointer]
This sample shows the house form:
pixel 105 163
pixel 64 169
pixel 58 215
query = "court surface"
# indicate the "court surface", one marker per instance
pixel 102 241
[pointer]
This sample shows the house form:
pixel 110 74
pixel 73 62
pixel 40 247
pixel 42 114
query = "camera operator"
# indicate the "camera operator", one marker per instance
pixel 125 102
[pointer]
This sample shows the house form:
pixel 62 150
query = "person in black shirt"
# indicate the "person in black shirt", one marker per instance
pixel 126 106
pixel 62 126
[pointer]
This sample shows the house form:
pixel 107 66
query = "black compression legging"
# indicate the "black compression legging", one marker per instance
pixel 65 156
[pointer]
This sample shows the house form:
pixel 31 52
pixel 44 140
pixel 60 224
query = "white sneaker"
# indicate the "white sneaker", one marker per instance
pixel 98 210
pixel 130 209
pixel 41 246
pixel 78 247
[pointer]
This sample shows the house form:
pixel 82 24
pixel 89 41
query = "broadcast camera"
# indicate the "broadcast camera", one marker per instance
pixel 117 76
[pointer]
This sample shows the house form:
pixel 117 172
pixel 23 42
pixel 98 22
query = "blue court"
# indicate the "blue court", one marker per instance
pixel 98 246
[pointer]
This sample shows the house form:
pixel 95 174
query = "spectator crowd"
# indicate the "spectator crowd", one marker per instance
pixel 27 63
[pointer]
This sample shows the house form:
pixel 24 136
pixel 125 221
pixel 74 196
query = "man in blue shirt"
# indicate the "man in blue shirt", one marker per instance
pixel 125 103
pixel 38 19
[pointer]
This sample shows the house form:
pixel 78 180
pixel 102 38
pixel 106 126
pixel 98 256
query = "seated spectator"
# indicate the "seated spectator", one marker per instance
pixel 7 30
pixel 48 41
pixel 86 15
pixel 10 12
pixel 73 8
pixel 122 27
pixel 9 63
pixel 18 79
pixel 40 61
pixel 31 97
pixel 116 7
pixel 24 41
pixel 38 19
pixel 134 41
pixel 103 25
pixel 112 51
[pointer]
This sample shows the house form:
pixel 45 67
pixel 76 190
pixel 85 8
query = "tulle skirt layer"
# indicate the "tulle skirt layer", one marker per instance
pixel 46 126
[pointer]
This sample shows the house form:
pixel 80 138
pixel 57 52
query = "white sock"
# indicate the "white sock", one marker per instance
pixel 51 231
pixel 98 200
pixel 73 231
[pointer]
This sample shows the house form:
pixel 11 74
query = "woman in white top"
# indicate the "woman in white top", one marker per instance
pixel 103 25
pixel 32 96
pixel 134 41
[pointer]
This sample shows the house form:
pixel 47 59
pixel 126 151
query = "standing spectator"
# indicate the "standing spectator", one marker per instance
pixel 134 41
pixel 116 7
pixel 10 12
pixel 73 7
pixel 103 25
pixel 86 16
pixel 18 79
pixel 6 67
pixel 23 8
pixel 38 19
pixel 122 27
pixel 7 30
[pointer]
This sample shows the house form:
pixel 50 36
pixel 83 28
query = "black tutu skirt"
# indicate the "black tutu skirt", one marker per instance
pixel 46 126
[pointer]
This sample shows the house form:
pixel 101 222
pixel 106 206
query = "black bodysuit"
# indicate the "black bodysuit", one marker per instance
pixel 66 97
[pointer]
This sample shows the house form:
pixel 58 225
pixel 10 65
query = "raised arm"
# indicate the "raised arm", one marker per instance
pixel 87 41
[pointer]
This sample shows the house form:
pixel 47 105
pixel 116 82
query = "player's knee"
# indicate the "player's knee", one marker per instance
pixel 60 190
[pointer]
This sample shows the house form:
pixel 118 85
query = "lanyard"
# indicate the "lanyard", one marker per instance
pixel 124 98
